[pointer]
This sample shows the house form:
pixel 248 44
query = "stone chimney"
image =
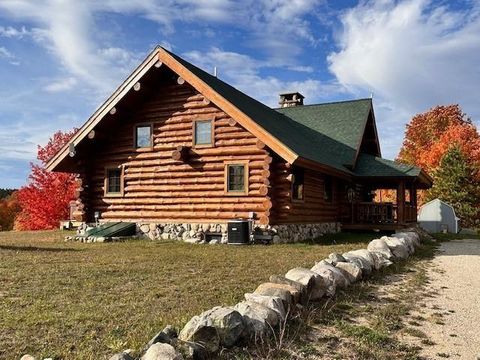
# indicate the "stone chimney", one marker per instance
pixel 291 99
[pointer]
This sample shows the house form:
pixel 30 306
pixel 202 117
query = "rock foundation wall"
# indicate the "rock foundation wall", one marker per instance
pixel 196 233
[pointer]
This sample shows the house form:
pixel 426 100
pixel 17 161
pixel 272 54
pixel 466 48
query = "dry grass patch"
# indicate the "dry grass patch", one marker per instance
pixel 85 301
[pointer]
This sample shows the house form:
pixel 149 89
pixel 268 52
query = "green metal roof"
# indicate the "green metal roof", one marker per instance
pixel 329 134
pixel 369 165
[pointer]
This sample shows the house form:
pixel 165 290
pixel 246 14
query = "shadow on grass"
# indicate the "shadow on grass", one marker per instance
pixel 36 248
pixel 348 237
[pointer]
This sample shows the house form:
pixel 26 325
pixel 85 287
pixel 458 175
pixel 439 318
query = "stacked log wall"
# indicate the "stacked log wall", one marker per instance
pixel 158 188
pixel 313 208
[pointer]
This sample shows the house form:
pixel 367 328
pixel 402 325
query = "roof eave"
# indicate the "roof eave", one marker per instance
pixel 104 109
pixel 313 165
pixel 272 142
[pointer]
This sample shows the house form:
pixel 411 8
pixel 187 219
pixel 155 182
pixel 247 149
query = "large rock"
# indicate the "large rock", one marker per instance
pixel 285 292
pixel 215 327
pixel 193 350
pixel 380 246
pixel 27 357
pixel 273 302
pixel 161 351
pixel 397 246
pixel 165 336
pixel 412 239
pixel 336 258
pixel 229 324
pixel 377 260
pixel 363 264
pixel 121 356
pixel 315 283
pixel 328 279
pixel 300 295
pixel 351 270
pixel 340 279
pixel 380 260
pixel 258 318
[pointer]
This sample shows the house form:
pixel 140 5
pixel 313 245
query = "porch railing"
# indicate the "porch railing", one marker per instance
pixel 380 213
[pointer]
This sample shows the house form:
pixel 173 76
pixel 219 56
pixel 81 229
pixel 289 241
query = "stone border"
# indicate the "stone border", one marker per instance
pixel 268 306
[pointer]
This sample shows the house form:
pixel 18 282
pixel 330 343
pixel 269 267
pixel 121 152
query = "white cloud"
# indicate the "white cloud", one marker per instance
pixel 4 53
pixel 243 72
pixel 412 55
pixel 8 56
pixel 68 28
pixel 61 85
pixel 11 32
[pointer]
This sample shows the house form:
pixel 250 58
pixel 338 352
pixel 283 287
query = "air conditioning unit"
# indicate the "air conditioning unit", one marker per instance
pixel 239 232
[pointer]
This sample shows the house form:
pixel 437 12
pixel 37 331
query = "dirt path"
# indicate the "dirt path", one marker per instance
pixel 454 310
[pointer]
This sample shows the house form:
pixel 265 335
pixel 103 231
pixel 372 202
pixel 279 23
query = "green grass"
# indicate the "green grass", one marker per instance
pixel 70 300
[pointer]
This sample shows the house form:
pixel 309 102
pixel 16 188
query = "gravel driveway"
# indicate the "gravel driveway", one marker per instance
pixel 456 278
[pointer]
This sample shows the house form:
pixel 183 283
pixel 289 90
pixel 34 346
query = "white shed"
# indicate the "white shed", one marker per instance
pixel 438 216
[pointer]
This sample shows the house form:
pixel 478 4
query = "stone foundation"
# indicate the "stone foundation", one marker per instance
pixel 197 233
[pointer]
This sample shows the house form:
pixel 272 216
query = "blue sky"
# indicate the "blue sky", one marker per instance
pixel 59 59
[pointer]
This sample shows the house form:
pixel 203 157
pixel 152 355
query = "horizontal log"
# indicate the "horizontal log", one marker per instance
pixel 185 200
pixel 186 207
pixel 201 193
pixel 172 215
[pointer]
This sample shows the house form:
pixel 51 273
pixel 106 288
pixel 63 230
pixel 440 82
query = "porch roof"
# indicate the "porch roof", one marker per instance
pixel 369 166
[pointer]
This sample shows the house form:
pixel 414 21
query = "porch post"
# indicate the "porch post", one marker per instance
pixel 401 202
pixel 413 196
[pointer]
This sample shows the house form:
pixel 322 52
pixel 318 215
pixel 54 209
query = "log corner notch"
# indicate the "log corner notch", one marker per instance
pixel 181 153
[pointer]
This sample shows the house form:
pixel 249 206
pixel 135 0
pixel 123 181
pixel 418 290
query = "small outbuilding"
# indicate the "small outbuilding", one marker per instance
pixel 438 216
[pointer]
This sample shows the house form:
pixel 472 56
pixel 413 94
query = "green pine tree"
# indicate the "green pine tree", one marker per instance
pixel 455 183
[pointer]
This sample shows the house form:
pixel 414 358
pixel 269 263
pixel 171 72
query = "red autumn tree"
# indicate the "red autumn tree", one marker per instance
pixel 45 200
pixel 431 136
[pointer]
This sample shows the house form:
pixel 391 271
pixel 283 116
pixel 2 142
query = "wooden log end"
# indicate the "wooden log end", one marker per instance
pixel 263 190
pixel 263 220
pixel 260 144
pixel 232 122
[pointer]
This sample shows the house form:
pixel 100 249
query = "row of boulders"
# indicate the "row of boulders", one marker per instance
pixel 273 302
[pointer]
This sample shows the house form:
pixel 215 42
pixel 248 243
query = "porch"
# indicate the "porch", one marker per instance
pixel 367 209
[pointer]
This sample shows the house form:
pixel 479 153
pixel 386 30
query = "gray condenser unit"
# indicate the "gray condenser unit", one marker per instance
pixel 239 232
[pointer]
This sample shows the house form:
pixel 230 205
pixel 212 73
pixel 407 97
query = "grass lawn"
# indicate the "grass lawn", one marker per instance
pixel 87 301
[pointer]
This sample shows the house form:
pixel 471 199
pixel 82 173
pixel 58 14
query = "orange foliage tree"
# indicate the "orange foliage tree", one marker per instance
pixel 45 200
pixel 431 134
pixel 430 137
pixel 9 208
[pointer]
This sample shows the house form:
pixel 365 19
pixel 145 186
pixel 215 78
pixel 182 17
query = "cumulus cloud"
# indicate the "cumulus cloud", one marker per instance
pixel 243 72
pixel 412 55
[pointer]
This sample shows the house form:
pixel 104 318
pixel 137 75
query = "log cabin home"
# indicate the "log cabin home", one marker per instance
pixel 179 152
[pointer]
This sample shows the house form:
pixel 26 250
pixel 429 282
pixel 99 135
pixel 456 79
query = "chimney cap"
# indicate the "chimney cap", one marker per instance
pixel 292 93
pixel 289 99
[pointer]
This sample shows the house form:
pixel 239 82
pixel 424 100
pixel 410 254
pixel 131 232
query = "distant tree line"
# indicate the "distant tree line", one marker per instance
pixel 4 193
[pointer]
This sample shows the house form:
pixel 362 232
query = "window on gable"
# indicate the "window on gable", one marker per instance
pixel 236 181
pixel 113 182
pixel 143 136
pixel 203 130
pixel 328 189
pixel 298 184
